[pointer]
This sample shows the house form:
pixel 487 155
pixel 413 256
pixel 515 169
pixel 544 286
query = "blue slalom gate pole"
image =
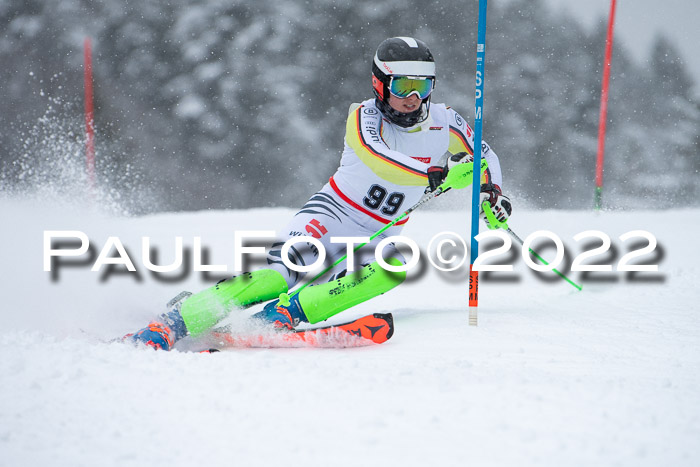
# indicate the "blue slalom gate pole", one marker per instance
pixel 476 183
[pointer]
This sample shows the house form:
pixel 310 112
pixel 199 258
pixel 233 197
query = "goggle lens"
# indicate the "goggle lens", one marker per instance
pixel 402 86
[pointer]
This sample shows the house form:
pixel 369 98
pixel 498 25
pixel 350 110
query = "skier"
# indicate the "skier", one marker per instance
pixel 394 152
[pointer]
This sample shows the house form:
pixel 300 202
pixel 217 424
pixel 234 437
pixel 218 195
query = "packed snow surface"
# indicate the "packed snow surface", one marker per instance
pixel 551 376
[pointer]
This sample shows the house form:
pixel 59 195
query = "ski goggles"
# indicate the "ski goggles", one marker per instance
pixel 404 86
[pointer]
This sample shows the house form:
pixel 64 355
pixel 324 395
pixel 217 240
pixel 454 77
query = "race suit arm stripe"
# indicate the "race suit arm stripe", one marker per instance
pixel 363 136
pixel 459 142
pixel 464 142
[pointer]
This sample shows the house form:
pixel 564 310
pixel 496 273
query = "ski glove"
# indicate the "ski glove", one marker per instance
pixel 437 174
pixel 500 203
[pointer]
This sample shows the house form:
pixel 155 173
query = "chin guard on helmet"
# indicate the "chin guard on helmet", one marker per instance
pixel 403 66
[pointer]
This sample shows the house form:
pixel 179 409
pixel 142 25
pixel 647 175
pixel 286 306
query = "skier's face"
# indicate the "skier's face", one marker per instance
pixel 407 105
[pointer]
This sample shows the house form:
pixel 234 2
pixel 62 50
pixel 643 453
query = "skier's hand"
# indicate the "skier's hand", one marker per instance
pixel 500 204
pixel 437 174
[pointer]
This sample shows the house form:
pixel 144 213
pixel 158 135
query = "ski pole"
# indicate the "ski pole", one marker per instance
pixel 458 177
pixel 494 223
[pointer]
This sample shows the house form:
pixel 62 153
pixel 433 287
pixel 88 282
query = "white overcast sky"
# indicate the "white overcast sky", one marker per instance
pixel 638 21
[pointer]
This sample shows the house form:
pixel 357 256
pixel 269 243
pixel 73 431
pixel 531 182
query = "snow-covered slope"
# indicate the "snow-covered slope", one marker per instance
pixel 551 376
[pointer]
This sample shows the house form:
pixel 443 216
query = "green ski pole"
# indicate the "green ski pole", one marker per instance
pixel 494 223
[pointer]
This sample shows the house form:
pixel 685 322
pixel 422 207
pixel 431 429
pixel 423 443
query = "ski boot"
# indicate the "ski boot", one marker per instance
pixel 284 318
pixel 162 334
pixel 156 335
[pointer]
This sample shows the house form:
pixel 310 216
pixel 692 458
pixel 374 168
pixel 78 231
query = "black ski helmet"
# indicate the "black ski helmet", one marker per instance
pixel 401 56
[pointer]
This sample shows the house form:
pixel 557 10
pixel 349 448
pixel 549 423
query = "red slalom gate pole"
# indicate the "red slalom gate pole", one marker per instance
pixel 89 114
pixel 604 109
